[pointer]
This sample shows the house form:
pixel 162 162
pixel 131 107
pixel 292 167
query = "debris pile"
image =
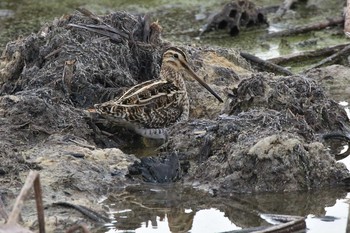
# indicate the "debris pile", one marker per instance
pixel 47 82
pixel 269 139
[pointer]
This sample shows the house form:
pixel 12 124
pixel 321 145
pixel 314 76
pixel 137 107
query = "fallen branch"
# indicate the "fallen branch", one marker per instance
pixel 265 65
pixel 307 54
pixel 307 28
pixel 333 58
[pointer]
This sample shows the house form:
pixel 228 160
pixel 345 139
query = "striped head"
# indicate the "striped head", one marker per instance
pixel 177 60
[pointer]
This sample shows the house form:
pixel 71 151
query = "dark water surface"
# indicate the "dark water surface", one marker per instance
pixel 173 208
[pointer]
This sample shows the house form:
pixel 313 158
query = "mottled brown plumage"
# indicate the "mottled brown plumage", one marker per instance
pixel 150 107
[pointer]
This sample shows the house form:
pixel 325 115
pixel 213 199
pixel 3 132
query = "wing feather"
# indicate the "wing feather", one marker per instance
pixel 152 104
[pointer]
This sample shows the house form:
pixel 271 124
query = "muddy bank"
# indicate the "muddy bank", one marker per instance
pixel 265 138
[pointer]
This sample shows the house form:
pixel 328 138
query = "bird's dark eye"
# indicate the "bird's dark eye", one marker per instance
pixel 176 55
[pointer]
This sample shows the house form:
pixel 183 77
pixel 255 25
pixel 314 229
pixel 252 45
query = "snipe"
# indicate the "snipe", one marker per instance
pixel 150 107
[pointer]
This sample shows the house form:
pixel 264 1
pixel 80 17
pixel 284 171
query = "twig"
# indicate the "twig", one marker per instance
pixel 307 28
pixel 14 215
pixel 53 53
pixel 307 54
pixel 333 58
pixel 82 144
pixel 100 29
pixel 91 15
pixel 265 65
pixel 32 179
pixel 93 215
pixel 104 29
pixel 39 203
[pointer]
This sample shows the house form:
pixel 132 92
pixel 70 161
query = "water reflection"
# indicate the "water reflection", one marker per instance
pixel 173 208
pixel 335 219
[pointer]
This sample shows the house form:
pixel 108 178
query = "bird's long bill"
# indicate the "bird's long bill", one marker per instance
pixel 195 76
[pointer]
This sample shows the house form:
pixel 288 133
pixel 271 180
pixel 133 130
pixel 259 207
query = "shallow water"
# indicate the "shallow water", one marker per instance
pixel 173 208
